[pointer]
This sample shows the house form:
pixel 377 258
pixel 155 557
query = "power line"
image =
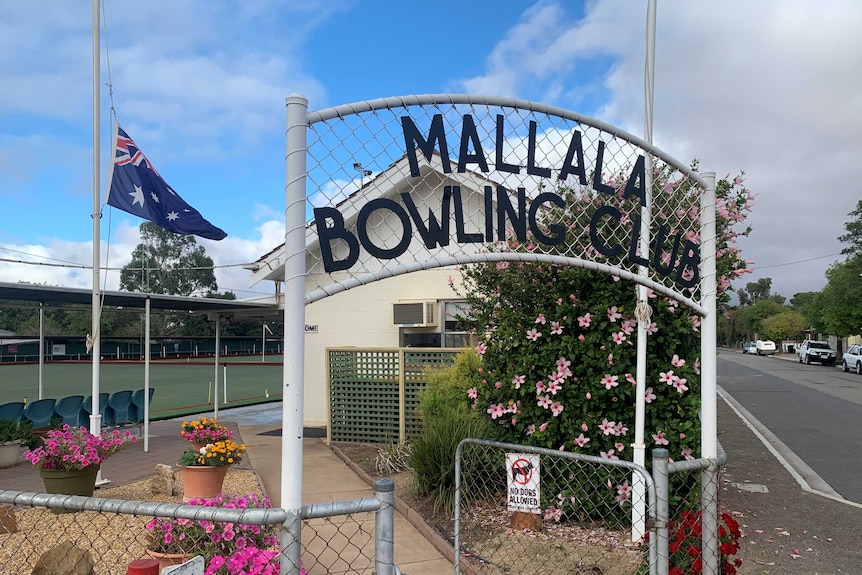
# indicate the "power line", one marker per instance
pixel 797 262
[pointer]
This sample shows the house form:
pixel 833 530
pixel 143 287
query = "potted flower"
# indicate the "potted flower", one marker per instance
pixel 204 430
pixel 70 457
pixel 204 469
pixel 179 539
pixel 12 436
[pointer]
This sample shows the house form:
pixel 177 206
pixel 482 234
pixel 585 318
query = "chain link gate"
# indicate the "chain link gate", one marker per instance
pixel 585 505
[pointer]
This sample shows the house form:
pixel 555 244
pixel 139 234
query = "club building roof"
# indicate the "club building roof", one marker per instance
pixel 54 295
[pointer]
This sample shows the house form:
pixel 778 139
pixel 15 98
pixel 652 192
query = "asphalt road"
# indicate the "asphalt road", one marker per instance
pixel 794 451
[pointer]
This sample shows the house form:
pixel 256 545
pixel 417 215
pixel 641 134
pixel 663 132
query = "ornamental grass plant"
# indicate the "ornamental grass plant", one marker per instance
pixel 75 448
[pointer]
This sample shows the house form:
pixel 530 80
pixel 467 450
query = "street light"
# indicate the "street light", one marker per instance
pixel 362 172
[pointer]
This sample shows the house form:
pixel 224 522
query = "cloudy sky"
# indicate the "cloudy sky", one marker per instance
pixel 771 88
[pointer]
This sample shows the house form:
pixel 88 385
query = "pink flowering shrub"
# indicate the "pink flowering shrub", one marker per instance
pixel 75 448
pixel 558 343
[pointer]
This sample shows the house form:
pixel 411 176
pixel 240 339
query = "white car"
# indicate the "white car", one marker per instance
pixel 764 347
pixel 819 351
pixel 749 348
pixel 853 359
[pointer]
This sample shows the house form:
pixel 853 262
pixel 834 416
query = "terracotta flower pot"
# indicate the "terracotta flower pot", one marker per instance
pixel 202 481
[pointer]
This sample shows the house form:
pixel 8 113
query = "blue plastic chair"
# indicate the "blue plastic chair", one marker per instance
pixel 136 410
pixel 69 410
pixel 40 412
pixel 118 408
pixel 13 411
pixel 87 407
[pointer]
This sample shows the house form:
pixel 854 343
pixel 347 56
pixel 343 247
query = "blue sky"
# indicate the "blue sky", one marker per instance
pixel 768 87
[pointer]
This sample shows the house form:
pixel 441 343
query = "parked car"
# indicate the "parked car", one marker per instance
pixel 764 347
pixel 819 351
pixel 749 348
pixel 853 359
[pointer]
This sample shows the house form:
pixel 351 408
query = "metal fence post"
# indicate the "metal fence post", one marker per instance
pixel 709 520
pixel 384 528
pixel 662 510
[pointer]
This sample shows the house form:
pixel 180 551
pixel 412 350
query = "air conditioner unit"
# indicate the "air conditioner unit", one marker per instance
pixel 415 314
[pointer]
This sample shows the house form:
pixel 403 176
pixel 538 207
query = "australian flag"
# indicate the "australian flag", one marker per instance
pixel 136 187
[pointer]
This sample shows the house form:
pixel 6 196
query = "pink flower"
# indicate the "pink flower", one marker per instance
pixel 666 377
pixel 649 395
pixel 581 337
pixel 556 328
pixel 613 314
pixel 556 408
pixel 584 426
pixel 581 441
pixel 554 387
pixel 481 349
pixel 496 411
pixel 544 426
pixel 680 384
pixel 619 446
pixel 555 513
pixel 541 319
pixel 498 384
pixel 620 429
pixel 660 438
pixel 624 491
pixel 631 379
pixel 531 429
pixel 472 393
pixel 695 322
pixel 544 402
pixel 609 454
pixel 563 365
pixel 676 361
pixel 686 453
pixel 518 381
pixel 533 334
pixel 584 320
pixel 619 337
pixel 607 427
pixel 652 329
pixel 610 381
pixel 541 387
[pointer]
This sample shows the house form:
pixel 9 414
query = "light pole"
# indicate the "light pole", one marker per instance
pixel 362 172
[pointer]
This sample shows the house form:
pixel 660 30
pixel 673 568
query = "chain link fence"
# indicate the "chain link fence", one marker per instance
pixel 579 516
pixel 44 533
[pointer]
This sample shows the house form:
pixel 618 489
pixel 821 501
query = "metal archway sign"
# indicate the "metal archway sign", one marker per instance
pixel 395 185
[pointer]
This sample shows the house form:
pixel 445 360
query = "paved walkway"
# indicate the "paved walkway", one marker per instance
pixel 326 478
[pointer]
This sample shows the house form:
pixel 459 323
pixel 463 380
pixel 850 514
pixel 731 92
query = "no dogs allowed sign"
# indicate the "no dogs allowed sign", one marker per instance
pixel 522 471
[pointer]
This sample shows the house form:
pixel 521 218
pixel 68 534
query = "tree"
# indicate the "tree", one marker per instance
pixel 756 313
pixel 841 312
pixel 785 325
pixel 854 232
pixel 168 263
pixel 758 291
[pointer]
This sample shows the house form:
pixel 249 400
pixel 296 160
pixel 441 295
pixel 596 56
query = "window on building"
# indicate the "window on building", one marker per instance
pixel 453 336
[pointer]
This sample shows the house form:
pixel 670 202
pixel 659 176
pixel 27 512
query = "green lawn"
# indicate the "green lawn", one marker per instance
pixel 180 388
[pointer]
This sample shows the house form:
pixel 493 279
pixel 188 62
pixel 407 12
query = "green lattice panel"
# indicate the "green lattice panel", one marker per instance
pixel 363 397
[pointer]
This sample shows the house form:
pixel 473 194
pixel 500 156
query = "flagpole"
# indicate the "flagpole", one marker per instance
pixel 96 414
